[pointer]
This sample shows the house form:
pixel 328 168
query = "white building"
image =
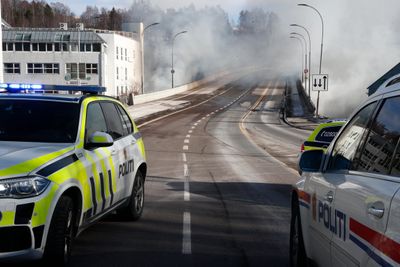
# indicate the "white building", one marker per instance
pixel 55 56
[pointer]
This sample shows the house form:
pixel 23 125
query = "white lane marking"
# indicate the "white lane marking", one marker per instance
pixel 186 195
pixel 187 235
pixel 208 115
pixel 203 118
pixel 185 147
pixel 185 170
pixel 190 131
pixel 196 124
pixel 184 157
pixel 188 136
pixel 193 127
pixel 186 141
pixel 213 112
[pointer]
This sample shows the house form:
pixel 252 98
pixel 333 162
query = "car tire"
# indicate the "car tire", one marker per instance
pixel 133 211
pixel 298 257
pixel 59 239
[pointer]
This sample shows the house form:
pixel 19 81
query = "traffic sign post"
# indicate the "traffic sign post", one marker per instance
pixel 319 82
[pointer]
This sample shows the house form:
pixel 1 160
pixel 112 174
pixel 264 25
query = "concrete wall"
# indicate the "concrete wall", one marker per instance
pixel 139 99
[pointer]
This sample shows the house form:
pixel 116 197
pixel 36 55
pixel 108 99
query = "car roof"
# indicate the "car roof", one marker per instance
pixel 72 98
pixel 390 85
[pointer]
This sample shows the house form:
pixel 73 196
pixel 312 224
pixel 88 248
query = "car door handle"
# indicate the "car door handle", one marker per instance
pixel 376 212
pixel 113 152
pixel 133 142
pixel 329 197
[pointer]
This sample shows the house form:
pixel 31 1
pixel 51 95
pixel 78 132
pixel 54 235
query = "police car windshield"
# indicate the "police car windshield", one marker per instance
pixel 38 121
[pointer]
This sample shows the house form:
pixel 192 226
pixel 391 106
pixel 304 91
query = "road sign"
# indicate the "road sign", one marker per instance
pixel 319 82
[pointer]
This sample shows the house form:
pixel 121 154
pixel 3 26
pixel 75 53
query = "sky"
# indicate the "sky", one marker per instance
pixel 361 39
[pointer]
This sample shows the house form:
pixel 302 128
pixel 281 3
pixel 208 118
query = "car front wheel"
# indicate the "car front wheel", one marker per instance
pixel 60 236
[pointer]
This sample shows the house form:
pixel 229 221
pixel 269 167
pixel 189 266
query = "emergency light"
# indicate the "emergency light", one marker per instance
pixel 42 88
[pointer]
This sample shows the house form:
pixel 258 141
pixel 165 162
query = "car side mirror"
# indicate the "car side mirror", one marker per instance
pixel 310 161
pixel 99 139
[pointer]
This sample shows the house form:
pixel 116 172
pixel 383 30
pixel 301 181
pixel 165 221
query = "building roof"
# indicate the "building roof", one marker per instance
pixel 37 35
pixel 392 72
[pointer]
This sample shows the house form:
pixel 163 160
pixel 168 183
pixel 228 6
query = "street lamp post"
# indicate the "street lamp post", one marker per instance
pixel 142 52
pixel 302 50
pixel 295 34
pixel 322 45
pixel 309 56
pixel 172 56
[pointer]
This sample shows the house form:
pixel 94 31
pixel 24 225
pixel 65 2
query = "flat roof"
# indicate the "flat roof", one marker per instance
pixel 39 35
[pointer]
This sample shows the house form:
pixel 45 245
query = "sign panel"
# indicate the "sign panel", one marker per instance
pixel 319 82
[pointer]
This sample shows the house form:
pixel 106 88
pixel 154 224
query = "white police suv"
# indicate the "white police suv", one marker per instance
pixel 346 210
pixel 66 160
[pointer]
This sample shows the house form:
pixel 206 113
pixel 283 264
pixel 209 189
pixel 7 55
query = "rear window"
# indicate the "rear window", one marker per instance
pixel 38 121
pixel 327 134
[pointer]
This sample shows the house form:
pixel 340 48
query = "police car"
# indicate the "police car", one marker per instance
pixel 66 160
pixel 346 210
pixel 322 135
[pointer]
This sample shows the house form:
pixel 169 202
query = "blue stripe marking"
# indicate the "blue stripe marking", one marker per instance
pixel 370 252
pixel 304 204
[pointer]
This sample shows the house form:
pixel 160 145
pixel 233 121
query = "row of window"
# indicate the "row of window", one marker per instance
pixel 50 47
pixel 118 76
pixel 53 68
pixel 122 53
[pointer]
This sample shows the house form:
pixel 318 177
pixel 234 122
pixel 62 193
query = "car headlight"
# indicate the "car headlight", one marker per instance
pixel 23 187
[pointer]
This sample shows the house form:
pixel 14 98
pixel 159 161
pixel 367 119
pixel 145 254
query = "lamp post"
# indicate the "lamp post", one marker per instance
pixel 302 50
pixel 309 56
pixel 322 45
pixel 172 56
pixel 142 52
pixel 79 27
pixel 296 34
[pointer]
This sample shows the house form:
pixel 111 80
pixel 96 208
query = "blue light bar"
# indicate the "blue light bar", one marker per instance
pixel 41 88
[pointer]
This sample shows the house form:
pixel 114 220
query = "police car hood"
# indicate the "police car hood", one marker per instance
pixel 20 158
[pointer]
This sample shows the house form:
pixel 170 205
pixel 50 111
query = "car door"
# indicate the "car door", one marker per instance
pixel 361 161
pixel 122 151
pixel 97 166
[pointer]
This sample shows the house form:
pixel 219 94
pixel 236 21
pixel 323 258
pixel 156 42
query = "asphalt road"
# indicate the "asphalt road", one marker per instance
pixel 217 191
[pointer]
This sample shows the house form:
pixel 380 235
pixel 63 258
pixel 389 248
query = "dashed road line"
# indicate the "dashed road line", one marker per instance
pixel 186 141
pixel 185 148
pixel 187 234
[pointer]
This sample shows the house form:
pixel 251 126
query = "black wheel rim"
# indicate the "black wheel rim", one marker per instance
pixel 139 195
pixel 68 237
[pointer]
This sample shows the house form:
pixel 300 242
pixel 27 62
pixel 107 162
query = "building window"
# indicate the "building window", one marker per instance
pixel 14 68
pixel 52 68
pixel 8 46
pixel 117 52
pixel 48 68
pixel 49 47
pixel 91 68
pixel 72 70
pixel 117 73
pixel 96 47
pixel 126 54
pixel 18 46
pixel 126 74
pixel 88 47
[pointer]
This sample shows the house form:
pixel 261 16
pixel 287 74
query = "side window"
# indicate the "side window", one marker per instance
pixel 95 120
pixel 383 140
pixel 346 146
pixel 127 123
pixel 113 119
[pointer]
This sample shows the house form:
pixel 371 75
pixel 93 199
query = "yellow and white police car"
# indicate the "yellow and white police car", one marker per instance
pixel 66 160
pixel 322 135
pixel 346 209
